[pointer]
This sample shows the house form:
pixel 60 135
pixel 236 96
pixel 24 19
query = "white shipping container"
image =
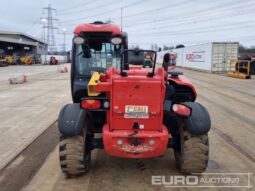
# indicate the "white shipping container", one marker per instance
pixel 213 57
pixel 60 58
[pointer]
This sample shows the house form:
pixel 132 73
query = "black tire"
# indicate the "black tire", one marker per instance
pixel 74 161
pixel 192 152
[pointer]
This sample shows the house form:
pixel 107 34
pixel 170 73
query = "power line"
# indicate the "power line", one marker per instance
pixel 177 33
pixel 172 25
pixel 158 9
pixel 103 13
pixel 89 9
pixel 177 41
pixel 236 24
pixel 202 20
pixel 216 12
pixel 190 15
pixel 75 6
pixel 36 22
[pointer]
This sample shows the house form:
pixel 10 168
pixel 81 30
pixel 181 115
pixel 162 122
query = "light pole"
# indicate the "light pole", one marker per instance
pixel 44 21
pixel 64 44
pixel 121 12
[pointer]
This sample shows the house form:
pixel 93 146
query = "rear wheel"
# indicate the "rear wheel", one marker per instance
pixel 191 152
pixel 74 159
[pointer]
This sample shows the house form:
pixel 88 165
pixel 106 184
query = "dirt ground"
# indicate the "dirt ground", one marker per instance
pixel 231 104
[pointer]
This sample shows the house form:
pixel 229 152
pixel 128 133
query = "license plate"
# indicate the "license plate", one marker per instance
pixel 136 115
pixel 136 109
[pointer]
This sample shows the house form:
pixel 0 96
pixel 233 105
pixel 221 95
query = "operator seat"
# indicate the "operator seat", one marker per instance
pixel 135 58
pixel 166 61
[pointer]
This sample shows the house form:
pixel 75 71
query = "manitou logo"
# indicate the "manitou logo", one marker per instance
pixel 195 57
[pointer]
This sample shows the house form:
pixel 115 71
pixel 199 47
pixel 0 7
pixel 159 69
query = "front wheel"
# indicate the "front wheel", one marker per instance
pixel 191 152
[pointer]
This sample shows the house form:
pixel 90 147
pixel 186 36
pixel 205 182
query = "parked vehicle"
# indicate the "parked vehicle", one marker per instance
pixel 53 60
pixel 129 112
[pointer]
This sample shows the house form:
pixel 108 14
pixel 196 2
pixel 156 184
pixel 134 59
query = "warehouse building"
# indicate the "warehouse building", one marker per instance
pixel 20 44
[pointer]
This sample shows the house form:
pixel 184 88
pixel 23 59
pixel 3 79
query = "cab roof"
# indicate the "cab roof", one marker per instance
pixel 97 27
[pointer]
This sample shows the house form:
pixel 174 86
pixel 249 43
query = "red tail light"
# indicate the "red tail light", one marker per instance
pixel 181 110
pixel 90 104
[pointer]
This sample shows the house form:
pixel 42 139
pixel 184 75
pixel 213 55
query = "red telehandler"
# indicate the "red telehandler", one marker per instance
pixel 126 110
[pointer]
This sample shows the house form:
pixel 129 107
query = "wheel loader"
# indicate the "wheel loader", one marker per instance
pixel 26 60
pixel 125 109
pixel 10 59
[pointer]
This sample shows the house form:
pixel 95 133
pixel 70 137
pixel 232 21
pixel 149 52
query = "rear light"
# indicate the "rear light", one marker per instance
pixel 95 103
pixel 182 110
pixel 90 104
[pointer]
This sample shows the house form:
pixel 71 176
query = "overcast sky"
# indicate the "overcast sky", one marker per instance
pixel 163 22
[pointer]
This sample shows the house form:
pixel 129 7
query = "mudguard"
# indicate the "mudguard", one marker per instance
pixel 199 123
pixel 71 120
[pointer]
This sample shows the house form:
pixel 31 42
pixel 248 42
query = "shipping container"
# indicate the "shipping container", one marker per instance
pixel 213 57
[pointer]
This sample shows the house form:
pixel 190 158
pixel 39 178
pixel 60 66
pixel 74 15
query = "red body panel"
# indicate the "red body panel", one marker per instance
pixel 135 89
pixel 171 68
pixel 128 150
pixel 97 28
pixel 181 80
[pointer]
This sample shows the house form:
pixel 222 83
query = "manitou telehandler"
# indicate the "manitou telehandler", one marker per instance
pixel 127 110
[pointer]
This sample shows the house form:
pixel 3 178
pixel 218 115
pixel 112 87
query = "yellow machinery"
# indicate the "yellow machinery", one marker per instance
pixel 26 60
pixel 239 69
pixel 10 59
pixel 2 58
pixel 94 80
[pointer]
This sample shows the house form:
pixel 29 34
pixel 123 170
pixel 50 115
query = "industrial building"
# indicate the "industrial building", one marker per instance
pixel 20 44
